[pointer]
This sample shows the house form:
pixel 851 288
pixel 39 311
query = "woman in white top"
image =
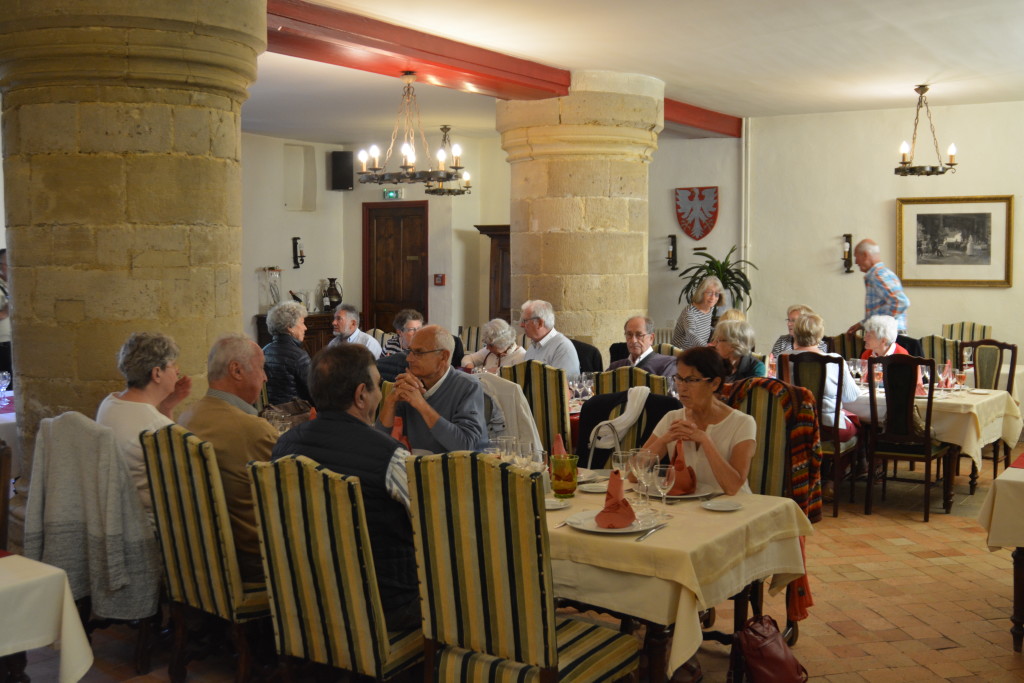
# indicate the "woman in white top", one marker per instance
pixel 807 333
pixel 148 362
pixel 718 442
pixel 500 348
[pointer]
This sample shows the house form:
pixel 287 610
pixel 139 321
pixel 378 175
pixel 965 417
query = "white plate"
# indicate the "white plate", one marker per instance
pixel 721 505
pixel 702 490
pixel 983 392
pixel 601 487
pixel 584 521
pixel 583 474
pixel 555 504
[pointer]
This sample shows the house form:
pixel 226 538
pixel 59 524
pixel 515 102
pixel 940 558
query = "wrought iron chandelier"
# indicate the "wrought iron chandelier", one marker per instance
pixel 906 166
pixel 450 181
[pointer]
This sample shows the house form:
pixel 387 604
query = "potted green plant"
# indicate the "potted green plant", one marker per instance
pixel 734 280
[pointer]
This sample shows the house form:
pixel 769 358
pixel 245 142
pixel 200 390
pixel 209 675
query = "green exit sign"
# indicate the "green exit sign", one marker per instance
pixel 393 194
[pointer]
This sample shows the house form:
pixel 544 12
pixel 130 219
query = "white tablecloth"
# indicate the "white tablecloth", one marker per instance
pixel 36 609
pixel 968 420
pixel 698 561
pixel 1002 513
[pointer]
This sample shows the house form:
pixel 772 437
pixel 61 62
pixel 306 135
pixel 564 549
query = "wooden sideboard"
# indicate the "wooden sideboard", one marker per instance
pixel 500 299
pixel 319 332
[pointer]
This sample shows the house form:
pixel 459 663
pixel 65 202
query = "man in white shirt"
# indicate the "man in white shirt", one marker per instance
pixel 639 333
pixel 346 329
pixel 549 345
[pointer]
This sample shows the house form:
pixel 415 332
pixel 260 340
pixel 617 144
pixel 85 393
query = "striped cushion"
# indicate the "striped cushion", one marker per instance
pixel 380 335
pixel 320 572
pixel 941 350
pixel 545 389
pixel 194 529
pixel 585 653
pixel 470 336
pixel 666 348
pixel 967 331
pixel 623 378
pixel 768 464
pixel 482 551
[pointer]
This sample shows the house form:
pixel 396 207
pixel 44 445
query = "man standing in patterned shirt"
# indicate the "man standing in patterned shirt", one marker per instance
pixel 884 295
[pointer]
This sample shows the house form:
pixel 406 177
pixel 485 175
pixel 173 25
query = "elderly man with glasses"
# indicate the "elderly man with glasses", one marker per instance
pixel 442 409
pixel 639 331
pixel 549 345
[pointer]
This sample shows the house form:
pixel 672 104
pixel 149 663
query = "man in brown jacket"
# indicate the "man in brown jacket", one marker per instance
pixel 225 417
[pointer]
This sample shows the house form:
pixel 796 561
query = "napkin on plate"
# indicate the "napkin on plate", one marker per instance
pixel 559 446
pixel 617 512
pixel 398 433
pixel 686 479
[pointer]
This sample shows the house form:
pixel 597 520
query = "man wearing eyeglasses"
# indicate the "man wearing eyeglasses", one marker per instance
pixel 442 409
pixel 549 346
pixel 639 331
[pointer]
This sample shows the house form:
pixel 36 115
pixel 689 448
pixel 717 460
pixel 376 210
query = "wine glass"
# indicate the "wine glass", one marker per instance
pixel 587 382
pixel 961 379
pixel 5 381
pixel 664 480
pixel 620 461
pixel 641 462
pixel 574 385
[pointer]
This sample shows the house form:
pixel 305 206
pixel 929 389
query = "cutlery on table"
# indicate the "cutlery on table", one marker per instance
pixel 653 529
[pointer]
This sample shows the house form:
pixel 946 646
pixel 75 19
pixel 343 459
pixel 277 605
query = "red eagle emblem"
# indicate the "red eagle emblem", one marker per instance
pixel 697 210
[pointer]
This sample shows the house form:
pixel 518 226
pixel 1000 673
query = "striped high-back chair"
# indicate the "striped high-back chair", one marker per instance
pixel 847 345
pixel 482 555
pixel 625 377
pixel 546 390
pixel 666 349
pixel 966 331
pixel 988 356
pixel 523 340
pixel 941 350
pixel 380 335
pixel 195 539
pixel 320 572
pixel 470 336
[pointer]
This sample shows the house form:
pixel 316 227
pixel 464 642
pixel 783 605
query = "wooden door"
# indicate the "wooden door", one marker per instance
pixel 500 300
pixel 394 261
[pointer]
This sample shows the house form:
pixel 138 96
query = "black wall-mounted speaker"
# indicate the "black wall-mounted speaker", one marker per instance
pixel 342 171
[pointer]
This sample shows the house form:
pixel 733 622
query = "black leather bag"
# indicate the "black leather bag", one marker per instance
pixel 767 658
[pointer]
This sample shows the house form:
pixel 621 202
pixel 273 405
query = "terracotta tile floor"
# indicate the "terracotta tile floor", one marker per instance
pixel 895 600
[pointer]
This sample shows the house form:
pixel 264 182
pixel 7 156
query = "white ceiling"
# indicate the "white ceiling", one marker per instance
pixel 746 58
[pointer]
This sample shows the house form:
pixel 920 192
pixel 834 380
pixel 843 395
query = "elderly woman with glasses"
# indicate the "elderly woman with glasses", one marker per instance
pixel 500 348
pixel 734 341
pixel 718 442
pixel 693 328
pixel 148 361
pixel 785 342
pixel 880 337
pixel 286 360
pixel 407 323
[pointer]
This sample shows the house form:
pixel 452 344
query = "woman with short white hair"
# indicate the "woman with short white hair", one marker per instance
pixel 693 328
pixel 285 359
pixel 880 337
pixel 500 348
pixel 734 340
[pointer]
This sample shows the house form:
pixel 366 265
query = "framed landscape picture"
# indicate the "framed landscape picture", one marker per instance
pixel 955 241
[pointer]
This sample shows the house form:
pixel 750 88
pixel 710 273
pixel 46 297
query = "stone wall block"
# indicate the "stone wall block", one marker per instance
pixel 49 128
pixel 514 114
pixel 212 245
pixel 10 128
pixel 530 179
pixel 225 134
pixel 610 109
pixel 160 238
pixel 151 258
pixel 627 179
pixel 561 214
pixel 112 246
pixel 550 288
pixel 191 298
pixel 227 290
pixel 65 189
pixel 176 189
pixel 639 215
pixel 98 360
pixel 69 311
pixel 586 177
pixel 579 254
pixel 519 215
pixel 229 175
pixel 525 253
pixel 120 128
pixel 606 214
pixel 192 130
pixel 117 295
pixel 56 342
pixel 74 245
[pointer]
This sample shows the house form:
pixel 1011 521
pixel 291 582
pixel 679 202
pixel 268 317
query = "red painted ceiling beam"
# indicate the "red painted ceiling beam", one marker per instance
pixel 332 36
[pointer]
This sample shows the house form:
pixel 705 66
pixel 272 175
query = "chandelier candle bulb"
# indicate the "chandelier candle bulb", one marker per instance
pixel 441 157
pixel 904 153
pixel 375 153
pixel 465 180
pixel 456 155
pixel 952 154
pixel 363 156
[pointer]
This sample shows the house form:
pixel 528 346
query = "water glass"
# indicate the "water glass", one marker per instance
pixel 5 381
pixel 563 475
pixel 641 462
pixel 664 480
pixel 620 462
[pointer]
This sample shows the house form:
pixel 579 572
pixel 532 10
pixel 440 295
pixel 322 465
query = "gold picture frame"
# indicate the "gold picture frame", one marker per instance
pixel 955 241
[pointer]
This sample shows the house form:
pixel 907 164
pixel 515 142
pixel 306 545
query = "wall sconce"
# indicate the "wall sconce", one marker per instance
pixel 848 252
pixel 671 258
pixel 298 253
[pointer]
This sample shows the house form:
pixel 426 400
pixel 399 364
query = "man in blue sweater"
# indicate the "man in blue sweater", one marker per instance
pixel 442 409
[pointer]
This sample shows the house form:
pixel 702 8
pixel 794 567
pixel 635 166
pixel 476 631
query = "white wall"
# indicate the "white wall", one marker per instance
pixel 815 177
pixel 689 163
pixel 332 234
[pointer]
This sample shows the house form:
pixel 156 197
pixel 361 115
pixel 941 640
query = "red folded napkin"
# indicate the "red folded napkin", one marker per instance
pixel 559 447
pixel 398 433
pixel 686 479
pixel 1019 462
pixel 617 512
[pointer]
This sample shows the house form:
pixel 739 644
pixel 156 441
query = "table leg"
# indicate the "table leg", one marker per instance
pixel 1017 630
pixel 656 646
pixel 974 476
pixel 947 481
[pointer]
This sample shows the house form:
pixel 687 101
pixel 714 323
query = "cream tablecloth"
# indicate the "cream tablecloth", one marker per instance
pixel 971 421
pixel 700 560
pixel 36 609
pixel 1002 513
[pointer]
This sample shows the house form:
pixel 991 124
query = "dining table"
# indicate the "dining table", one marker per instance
pixel 968 418
pixel 708 551
pixel 38 610
pixel 1002 516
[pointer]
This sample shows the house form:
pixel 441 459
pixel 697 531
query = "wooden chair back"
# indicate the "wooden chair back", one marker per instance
pixel 988 356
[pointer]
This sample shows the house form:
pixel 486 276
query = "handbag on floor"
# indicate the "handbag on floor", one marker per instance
pixel 766 656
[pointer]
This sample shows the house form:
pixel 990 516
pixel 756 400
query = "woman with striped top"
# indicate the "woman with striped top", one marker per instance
pixel 694 325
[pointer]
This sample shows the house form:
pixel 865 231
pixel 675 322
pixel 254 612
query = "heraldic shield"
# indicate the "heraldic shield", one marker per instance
pixel 697 210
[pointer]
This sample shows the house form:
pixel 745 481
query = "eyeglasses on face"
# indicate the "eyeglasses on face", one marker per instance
pixel 523 321
pixel 412 329
pixel 637 335
pixel 417 353
pixel 690 380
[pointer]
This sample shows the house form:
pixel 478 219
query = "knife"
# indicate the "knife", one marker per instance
pixel 653 529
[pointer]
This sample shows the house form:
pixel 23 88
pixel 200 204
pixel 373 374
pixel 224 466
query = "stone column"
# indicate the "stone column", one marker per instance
pixel 579 199
pixel 121 141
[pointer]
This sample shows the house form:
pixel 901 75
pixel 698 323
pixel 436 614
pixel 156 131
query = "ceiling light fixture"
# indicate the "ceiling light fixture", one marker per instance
pixel 452 181
pixel 906 166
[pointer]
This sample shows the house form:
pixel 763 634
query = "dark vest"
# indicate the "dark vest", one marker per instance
pixel 286 363
pixel 343 444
